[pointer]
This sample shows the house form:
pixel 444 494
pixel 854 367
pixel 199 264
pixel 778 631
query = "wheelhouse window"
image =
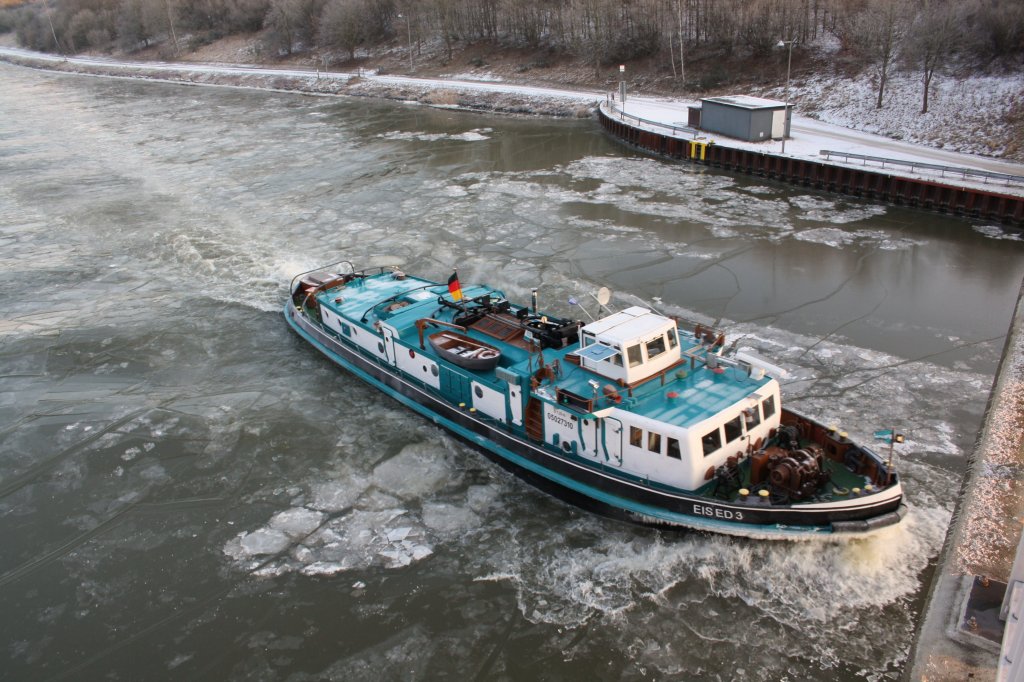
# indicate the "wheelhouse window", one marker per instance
pixel 768 406
pixel 654 442
pixel 752 415
pixel 673 449
pixel 634 355
pixel 617 358
pixel 711 442
pixel 733 429
pixel 672 340
pixel 636 437
pixel 655 347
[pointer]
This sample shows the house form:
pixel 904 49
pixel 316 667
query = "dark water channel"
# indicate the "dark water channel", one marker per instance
pixel 187 492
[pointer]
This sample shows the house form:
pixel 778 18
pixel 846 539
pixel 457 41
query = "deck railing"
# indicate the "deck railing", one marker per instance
pixel 676 130
pixel 917 165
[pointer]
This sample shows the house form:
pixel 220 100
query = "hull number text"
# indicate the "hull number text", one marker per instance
pixel 716 513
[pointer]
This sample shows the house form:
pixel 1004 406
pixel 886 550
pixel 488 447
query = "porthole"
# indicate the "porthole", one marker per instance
pixel 412 353
pixel 478 392
pixel 567 446
pixel 380 346
pixel 433 370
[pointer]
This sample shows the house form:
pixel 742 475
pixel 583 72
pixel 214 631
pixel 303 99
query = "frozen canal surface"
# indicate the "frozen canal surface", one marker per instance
pixel 187 491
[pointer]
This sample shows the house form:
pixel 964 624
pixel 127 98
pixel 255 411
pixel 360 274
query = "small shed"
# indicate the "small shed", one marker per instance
pixel 693 117
pixel 745 118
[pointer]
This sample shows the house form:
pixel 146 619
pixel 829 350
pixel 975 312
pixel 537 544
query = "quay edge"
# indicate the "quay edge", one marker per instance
pixel 980 546
pixel 820 175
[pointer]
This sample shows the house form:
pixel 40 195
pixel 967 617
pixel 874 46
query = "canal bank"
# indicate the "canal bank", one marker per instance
pixel 959 637
pixel 673 138
pixel 664 133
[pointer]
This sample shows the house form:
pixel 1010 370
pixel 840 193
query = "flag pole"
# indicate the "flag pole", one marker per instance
pixel 892 447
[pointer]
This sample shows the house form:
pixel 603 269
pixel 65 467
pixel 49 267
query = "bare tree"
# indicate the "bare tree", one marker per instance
pixel 292 23
pixel 445 12
pixel 348 24
pixel 342 27
pixel 131 30
pixel 934 34
pixel 877 31
pixel 995 28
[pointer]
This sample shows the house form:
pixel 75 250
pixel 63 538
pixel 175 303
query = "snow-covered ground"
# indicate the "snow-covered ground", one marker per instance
pixel 961 112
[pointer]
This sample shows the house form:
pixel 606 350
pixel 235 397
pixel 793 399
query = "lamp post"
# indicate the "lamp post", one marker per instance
pixel 789 65
pixel 408 30
pixel 622 84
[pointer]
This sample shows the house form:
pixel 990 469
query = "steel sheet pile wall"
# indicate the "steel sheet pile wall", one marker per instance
pixel 896 189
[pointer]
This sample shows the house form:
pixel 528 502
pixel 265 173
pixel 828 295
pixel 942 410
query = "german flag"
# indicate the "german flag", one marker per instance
pixel 454 288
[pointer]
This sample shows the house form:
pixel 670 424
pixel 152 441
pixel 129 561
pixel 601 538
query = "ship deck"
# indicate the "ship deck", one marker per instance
pixel 842 484
pixel 685 395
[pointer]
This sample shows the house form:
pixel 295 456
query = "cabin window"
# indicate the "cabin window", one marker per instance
pixel 614 359
pixel 711 442
pixel 636 437
pixel 673 449
pixel 654 441
pixel 588 339
pixel 768 406
pixel 752 416
pixel 733 429
pixel 655 347
pixel 634 355
pixel 672 340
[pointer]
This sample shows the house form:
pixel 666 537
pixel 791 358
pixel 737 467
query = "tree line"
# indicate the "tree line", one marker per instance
pixel 879 34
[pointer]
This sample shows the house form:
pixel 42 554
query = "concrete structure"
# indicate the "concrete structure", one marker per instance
pixel 960 636
pixel 745 118
pixel 1011 657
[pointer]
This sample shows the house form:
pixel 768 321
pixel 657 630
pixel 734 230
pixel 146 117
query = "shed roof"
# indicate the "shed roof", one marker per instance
pixel 746 102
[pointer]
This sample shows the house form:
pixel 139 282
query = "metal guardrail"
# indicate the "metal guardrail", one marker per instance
pixel 676 129
pixel 917 165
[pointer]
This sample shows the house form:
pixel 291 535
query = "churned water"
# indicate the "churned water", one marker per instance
pixel 187 491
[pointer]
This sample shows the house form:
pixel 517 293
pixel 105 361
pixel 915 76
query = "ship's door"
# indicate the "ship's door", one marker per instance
pixel 515 404
pixel 590 439
pixel 389 343
pixel 611 440
pixel 455 386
